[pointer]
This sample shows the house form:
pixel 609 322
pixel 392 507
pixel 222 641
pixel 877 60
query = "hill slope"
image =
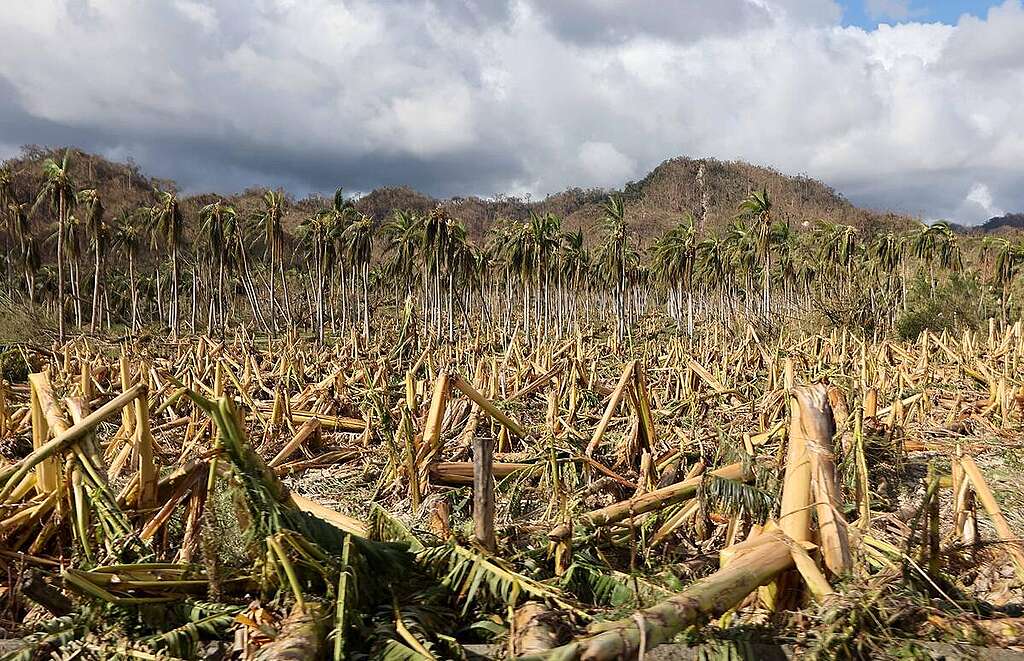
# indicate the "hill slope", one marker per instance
pixel 658 201
pixel 1011 221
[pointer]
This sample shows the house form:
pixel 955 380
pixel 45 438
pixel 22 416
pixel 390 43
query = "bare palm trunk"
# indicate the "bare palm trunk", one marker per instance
pixel 95 292
pixel 76 289
pixel 30 283
pixel 133 294
pixel 285 293
pixel 61 222
pixel 159 297
pixel 174 291
pixel 195 295
pixel 344 298
pixel 451 296
pixel 366 301
pixel 273 303
pixel 250 291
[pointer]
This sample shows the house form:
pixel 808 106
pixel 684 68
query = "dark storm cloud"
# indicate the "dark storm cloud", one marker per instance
pixel 237 166
pixel 599 22
pixel 596 23
pixel 459 97
pixel 229 163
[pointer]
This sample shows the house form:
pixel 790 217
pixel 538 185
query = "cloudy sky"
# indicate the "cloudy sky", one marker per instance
pixel 914 105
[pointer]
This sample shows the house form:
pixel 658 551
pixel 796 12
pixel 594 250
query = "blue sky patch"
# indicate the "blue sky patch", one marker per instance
pixel 869 13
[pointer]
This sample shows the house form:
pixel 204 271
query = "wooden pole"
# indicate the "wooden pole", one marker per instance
pixel 483 493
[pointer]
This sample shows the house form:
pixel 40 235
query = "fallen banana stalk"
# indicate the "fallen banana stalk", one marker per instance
pixel 630 638
pixel 461 472
pixel 658 498
pixel 995 513
pixel 489 407
pixel 12 475
pixel 818 429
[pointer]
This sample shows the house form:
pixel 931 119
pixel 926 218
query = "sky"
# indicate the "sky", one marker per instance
pixel 908 105
pixel 868 14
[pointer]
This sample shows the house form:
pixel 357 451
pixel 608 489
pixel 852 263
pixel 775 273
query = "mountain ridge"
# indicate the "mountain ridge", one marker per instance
pixel 706 188
pixel 1009 221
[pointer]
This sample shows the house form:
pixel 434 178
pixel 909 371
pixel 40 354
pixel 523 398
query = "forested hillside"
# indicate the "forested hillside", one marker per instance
pixel 707 188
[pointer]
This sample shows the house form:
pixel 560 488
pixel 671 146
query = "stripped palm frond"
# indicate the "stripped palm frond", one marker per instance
pixel 731 497
pixel 474 576
pixel 53 635
pixel 387 528
pixel 596 586
pixel 206 622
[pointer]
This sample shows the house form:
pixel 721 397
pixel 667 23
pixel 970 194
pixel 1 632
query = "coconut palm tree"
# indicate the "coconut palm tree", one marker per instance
pixel 460 264
pixel 758 207
pixel 8 216
pixel 357 239
pixel 338 217
pixel 58 190
pixel 67 239
pixel 217 220
pixel 613 257
pixel 887 263
pixel 937 244
pixel 496 255
pixel 837 249
pixel 574 264
pixel 128 236
pixel 435 246
pixel 740 245
pixel 888 252
pixel 403 235
pixel 316 234
pixel 838 242
pixel 7 194
pixel 543 241
pixel 1009 257
pixel 715 270
pixel 98 238
pixel 516 250
pixel 269 218
pixel 20 225
pixel 167 223
pixel 674 255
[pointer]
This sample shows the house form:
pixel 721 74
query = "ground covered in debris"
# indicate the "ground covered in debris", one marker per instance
pixel 821 495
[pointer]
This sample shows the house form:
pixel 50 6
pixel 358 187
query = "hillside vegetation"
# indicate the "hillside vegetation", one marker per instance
pixel 654 204
pixel 1010 221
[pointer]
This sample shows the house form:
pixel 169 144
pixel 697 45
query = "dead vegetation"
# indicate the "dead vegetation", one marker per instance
pixel 284 499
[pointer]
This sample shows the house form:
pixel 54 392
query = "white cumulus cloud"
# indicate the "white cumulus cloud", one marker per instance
pixel 455 97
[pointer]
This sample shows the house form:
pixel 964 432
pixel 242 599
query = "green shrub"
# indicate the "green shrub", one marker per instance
pixel 953 304
pixel 13 366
